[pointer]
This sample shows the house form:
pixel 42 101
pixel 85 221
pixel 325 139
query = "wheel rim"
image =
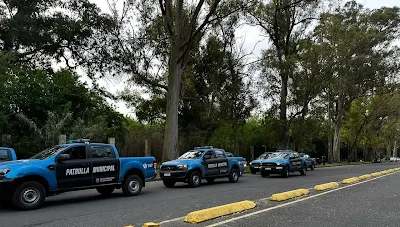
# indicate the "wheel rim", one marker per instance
pixel 196 179
pixel 133 186
pixel 30 195
pixel 235 176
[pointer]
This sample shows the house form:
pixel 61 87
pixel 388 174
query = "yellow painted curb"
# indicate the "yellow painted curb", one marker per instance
pixel 289 195
pixel 376 174
pixel 350 180
pixel 390 170
pixel 322 187
pixel 383 172
pixel 219 211
pixel 151 224
pixel 365 177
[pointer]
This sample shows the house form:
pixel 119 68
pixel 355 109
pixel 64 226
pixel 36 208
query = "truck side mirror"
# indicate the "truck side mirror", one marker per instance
pixel 63 157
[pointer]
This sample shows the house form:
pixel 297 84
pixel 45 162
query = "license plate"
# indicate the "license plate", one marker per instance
pixel 267 168
pixel 167 174
pixel 278 167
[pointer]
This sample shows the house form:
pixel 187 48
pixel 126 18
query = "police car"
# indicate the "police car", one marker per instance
pixel 77 165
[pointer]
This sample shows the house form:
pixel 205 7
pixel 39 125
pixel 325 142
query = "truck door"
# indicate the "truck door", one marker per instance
pixel 295 161
pixel 105 164
pixel 222 161
pixel 210 164
pixel 74 172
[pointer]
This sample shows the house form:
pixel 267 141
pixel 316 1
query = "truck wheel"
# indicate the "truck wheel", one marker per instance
pixel 210 180
pixel 285 172
pixel 194 179
pixel 132 185
pixel 105 190
pixel 303 171
pixel 312 167
pixel 234 175
pixel 264 174
pixel 169 183
pixel 29 195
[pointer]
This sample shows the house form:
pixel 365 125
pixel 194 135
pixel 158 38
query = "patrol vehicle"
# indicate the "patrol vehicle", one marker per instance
pixel 200 163
pixel 77 165
pixel 283 163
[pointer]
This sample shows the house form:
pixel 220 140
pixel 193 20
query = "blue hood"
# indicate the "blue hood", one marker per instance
pixel 19 163
pixel 257 161
pixel 274 160
pixel 180 162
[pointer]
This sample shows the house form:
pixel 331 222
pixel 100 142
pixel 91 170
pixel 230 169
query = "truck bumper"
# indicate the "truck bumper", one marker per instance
pixel 7 187
pixel 277 169
pixel 179 176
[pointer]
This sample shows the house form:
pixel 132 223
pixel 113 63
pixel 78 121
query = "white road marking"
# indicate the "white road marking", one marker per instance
pixel 172 220
pixel 293 202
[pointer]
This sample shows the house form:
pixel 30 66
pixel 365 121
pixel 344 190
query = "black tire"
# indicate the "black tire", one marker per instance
pixel 264 174
pixel 105 190
pixel 253 172
pixel 169 183
pixel 29 195
pixel 132 185
pixel 194 179
pixel 234 175
pixel 303 171
pixel 312 167
pixel 285 172
pixel 210 180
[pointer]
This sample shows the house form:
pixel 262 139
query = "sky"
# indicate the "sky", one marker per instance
pixel 249 36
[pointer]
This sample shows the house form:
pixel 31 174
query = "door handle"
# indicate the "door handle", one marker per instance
pixel 203 163
pixel 51 167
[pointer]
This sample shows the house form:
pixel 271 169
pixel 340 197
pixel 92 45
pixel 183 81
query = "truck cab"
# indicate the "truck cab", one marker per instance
pixel 7 154
pixel 283 162
pixel 69 167
pixel 200 163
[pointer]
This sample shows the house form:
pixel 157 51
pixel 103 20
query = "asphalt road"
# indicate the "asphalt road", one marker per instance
pixel 157 203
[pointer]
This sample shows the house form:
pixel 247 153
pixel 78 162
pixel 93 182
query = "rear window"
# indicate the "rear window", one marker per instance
pixel 4 154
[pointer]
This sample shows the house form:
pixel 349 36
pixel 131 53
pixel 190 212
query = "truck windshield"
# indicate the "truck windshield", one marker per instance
pixel 191 155
pixel 48 152
pixel 278 155
pixel 4 154
pixel 264 156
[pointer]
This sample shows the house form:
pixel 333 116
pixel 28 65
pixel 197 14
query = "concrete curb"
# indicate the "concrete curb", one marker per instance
pixel 151 224
pixel 376 174
pixel 219 211
pixel 326 186
pixel 350 180
pixel 289 195
pixel 365 177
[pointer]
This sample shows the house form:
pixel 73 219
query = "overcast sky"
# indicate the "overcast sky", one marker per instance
pixel 249 35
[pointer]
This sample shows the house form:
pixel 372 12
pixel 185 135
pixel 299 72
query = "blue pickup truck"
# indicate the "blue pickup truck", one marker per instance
pixel 282 163
pixel 74 166
pixel 200 163
pixel 7 154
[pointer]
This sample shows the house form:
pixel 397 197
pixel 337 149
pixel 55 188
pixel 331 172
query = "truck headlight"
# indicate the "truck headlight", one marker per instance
pixel 182 166
pixel 279 163
pixel 4 171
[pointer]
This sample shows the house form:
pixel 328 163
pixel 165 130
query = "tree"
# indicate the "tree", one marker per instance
pixel 285 22
pixel 40 31
pixel 174 33
pixel 361 59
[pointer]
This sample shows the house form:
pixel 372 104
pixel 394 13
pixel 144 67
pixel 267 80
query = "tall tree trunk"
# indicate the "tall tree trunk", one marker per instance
pixel 283 113
pixel 330 151
pixel 338 127
pixel 170 146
